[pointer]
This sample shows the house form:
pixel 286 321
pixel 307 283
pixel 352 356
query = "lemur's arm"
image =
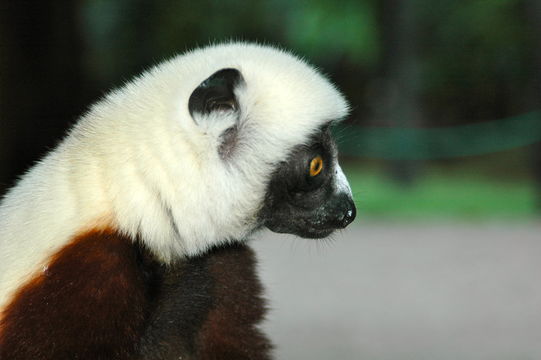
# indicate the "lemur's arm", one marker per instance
pixel 208 307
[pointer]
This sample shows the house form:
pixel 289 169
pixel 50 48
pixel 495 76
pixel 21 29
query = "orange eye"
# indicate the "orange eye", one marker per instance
pixel 316 165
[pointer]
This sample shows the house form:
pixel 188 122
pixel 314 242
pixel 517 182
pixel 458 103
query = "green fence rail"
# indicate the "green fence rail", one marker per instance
pixel 440 143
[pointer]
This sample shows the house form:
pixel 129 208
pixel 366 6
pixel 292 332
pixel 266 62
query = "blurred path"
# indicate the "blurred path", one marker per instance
pixel 404 291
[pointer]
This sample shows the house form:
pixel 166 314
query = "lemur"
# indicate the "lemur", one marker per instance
pixel 128 240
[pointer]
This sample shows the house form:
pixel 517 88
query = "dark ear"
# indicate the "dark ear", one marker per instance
pixel 216 93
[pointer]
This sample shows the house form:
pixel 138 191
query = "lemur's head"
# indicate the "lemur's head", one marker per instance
pixel 230 139
pixel 307 193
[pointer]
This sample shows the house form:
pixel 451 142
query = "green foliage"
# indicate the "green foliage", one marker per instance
pixel 438 196
pixel 474 59
pixel 327 30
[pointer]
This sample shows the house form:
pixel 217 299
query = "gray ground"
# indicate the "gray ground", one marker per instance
pixel 406 291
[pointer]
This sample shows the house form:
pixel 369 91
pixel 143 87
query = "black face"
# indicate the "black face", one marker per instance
pixel 303 197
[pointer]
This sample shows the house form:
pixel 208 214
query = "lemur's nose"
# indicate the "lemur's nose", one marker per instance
pixel 348 215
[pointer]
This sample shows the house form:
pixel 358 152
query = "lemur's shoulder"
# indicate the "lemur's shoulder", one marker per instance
pixel 88 302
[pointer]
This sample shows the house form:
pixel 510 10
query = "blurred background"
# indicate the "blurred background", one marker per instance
pixel 442 149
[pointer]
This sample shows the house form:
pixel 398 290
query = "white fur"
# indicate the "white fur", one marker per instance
pixel 138 162
pixel 342 184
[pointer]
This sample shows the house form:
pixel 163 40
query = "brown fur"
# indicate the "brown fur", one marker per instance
pixel 230 330
pixel 103 297
pixel 88 304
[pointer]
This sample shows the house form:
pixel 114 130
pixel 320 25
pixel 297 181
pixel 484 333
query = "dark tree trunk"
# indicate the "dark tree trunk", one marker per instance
pixel 400 73
pixel 533 15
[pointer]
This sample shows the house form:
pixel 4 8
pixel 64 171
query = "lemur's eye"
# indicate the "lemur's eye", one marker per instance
pixel 316 165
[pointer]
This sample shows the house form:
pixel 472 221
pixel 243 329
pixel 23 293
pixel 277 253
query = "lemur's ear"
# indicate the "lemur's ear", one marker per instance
pixel 216 93
pixel 215 109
